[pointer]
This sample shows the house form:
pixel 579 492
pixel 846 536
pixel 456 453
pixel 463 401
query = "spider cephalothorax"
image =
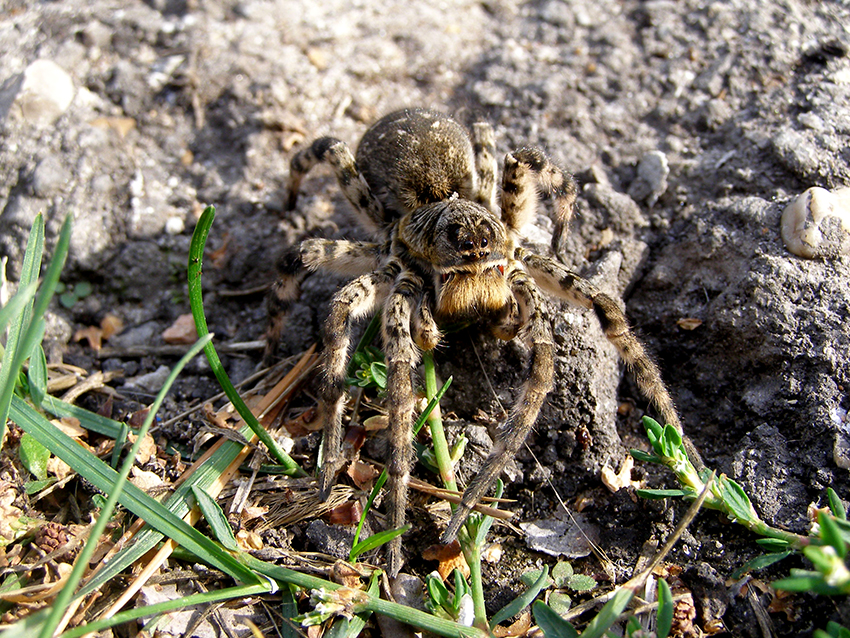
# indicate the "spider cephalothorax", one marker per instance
pixel 447 250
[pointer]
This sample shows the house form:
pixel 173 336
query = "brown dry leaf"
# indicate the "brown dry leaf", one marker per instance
pixel 783 602
pixel 449 558
pixel 111 325
pixel 182 331
pixel 519 628
pixel 70 426
pixel 346 575
pixel 58 468
pixel 362 474
pixel 146 450
pixel 377 422
pixel 345 514
pixel 92 334
pixel 248 541
pixel 144 480
pixel 689 323
pixel 120 125
pixel 43 591
pixel 250 512
pixel 615 481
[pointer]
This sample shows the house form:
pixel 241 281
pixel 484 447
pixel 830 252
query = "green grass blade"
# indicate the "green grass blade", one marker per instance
pixel 178 504
pixel 835 504
pixel 215 518
pixel 407 615
pixel 13 359
pixel 114 495
pixel 664 616
pixel 135 500
pixel 608 615
pixel 376 540
pixel 523 600
pixel 551 623
pixel 37 375
pixel 88 420
pixel 207 598
pixel 196 301
pixel 382 478
pixel 15 306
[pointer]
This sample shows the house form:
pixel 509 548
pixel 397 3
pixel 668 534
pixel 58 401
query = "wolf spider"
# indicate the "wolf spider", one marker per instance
pixel 447 250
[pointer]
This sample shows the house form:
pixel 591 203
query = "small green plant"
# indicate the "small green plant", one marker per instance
pixel 458 606
pixel 70 294
pixel 369 369
pixel 725 495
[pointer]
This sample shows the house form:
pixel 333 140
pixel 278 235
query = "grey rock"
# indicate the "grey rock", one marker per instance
pixel 651 180
pixel 50 177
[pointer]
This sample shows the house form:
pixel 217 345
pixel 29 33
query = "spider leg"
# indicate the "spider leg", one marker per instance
pixel 513 433
pixel 401 356
pixel 484 146
pixel 283 292
pixel 340 256
pixel 354 300
pixel 426 332
pixel 559 281
pixel 351 181
pixel 526 169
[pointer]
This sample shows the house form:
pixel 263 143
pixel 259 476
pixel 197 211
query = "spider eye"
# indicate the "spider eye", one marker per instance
pixel 467 245
pixel 484 242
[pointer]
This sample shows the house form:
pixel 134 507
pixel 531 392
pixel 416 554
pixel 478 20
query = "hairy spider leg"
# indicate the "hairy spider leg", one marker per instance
pixel 561 282
pixel 538 334
pixel 402 355
pixel 354 300
pixel 342 257
pixel 336 153
pixel 484 147
pixel 526 170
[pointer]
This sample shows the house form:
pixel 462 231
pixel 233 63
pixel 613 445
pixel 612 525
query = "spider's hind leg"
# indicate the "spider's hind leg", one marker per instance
pixel 526 169
pixel 283 293
pixel 563 283
pixel 336 153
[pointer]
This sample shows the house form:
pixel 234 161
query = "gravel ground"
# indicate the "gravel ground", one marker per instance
pixel 690 125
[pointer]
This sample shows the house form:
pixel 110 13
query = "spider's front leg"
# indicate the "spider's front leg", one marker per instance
pixel 559 281
pixel 402 355
pixel 338 256
pixel 526 169
pixel 512 434
pixel 356 299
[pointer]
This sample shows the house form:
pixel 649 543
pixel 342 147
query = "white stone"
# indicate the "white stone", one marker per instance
pixel 816 224
pixel 39 95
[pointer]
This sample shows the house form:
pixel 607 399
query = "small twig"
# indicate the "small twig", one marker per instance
pixel 174 350
pixel 95 381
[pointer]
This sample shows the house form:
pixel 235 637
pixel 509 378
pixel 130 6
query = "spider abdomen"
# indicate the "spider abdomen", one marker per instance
pixel 416 157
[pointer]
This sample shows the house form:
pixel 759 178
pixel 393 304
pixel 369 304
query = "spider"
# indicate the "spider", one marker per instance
pixel 448 250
